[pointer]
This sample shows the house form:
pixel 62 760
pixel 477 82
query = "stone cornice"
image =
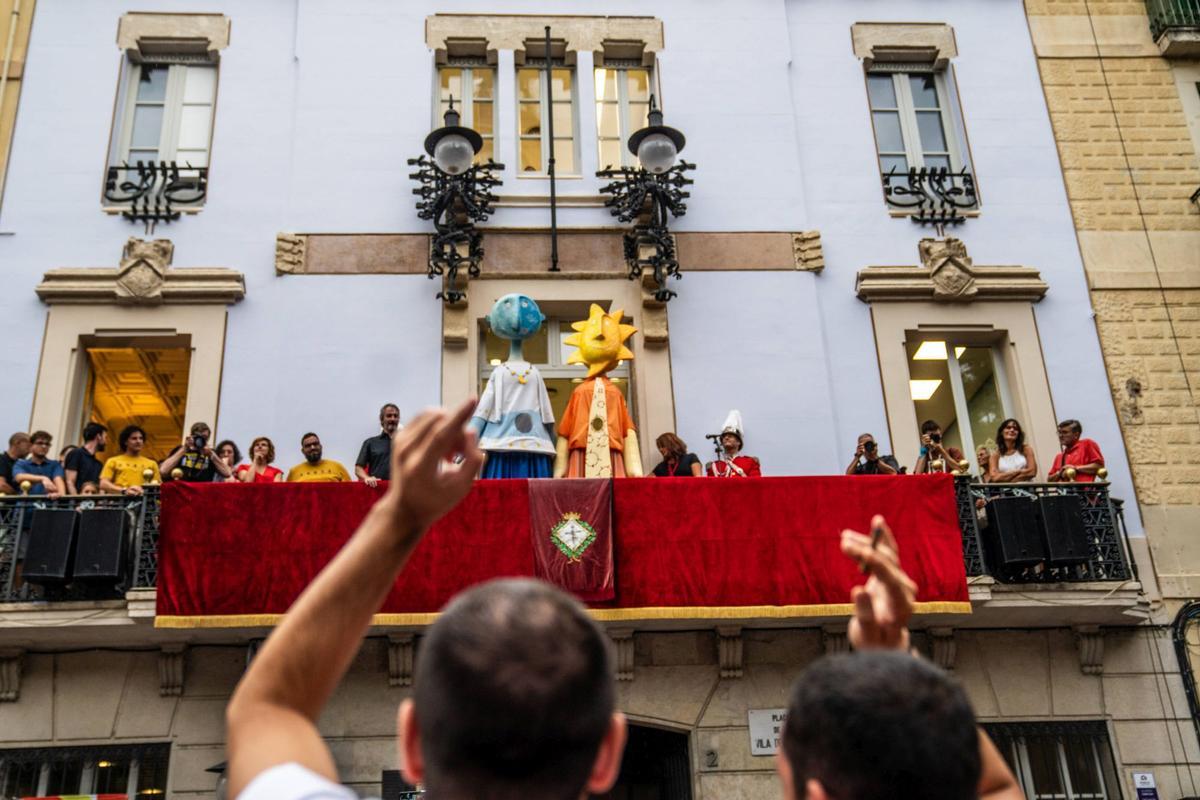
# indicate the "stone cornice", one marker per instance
pixel 947 275
pixel 145 277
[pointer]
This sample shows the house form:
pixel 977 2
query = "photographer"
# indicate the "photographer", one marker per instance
pixel 932 449
pixel 195 458
pixel 867 460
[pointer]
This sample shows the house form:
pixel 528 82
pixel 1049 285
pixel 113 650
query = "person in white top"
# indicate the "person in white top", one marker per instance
pixel 1013 460
pixel 514 687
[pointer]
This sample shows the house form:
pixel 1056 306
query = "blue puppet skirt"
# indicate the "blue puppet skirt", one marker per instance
pixel 502 464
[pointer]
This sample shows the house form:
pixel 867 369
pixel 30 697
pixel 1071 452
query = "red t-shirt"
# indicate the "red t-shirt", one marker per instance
pixel 1085 451
pixel 267 476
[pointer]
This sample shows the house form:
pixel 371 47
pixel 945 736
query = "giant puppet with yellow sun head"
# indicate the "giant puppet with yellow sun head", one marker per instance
pixel 596 437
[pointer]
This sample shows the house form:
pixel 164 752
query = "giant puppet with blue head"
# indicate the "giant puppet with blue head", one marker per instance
pixel 596 437
pixel 514 419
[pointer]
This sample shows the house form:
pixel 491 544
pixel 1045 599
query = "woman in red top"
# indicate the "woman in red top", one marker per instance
pixel 259 470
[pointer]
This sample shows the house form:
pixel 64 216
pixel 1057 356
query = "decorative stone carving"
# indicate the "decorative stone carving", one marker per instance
pixel 653 329
pixel 145 277
pixel 729 650
pixel 623 639
pixel 170 670
pixel 401 650
pixel 456 328
pixel 834 640
pixel 143 270
pixel 942 648
pixel 947 274
pixel 11 662
pixel 1089 640
pixel 912 42
pixel 290 252
pixel 806 248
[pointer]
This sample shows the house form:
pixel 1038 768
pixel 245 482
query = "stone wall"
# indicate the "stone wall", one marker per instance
pixel 1130 165
pixel 102 696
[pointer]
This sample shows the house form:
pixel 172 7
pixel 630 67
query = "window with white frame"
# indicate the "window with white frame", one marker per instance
pixel 133 771
pixel 915 120
pixel 622 106
pixel 548 351
pixel 165 112
pixel 534 107
pixel 960 385
pixel 473 88
pixel 1059 760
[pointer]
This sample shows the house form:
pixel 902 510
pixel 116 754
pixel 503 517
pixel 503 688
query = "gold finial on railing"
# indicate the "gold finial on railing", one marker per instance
pixel 1069 474
pixel 176 474
pixel 936 465
pixel 148 476
pixel 25 487
pixel 1102 474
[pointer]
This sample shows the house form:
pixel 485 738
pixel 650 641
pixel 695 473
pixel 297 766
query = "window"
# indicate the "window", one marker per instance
pixel 533 111
pixel 136 771
pixel 1059 760
pixel 551 361
pixel 914 124
pixel 474 91
pixel 622 103
pixel 138 385
pixel 959 385
pixel 166 113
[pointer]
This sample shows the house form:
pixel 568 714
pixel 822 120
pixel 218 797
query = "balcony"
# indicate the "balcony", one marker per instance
pixel 1025 590
pixel 931 196
pixel 1175 26
pixel 155 191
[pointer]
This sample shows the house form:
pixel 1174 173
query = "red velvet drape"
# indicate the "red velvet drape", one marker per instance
pixel 240 554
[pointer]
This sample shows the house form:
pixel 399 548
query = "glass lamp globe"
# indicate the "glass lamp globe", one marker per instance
pixel 657 153
pixel 453 154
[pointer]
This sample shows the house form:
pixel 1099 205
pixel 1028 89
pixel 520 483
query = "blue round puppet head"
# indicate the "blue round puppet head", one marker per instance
pixel 515 317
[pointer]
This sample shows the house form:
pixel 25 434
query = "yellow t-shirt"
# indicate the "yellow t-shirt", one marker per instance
pixel 126 471
pixel 324 471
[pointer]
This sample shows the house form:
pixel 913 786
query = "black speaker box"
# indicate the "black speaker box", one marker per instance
pixel 102 545
pixel 51 546
pixel 1062 524
pixel 1014 533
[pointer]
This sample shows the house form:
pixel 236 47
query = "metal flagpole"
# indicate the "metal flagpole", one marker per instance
pixel 550 160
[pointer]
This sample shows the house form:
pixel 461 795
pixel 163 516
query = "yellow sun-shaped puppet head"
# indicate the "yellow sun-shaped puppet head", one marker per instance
pixel 601 341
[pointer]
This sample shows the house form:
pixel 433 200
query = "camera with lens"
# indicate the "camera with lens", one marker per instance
pixel 936 438
pixel 869 446
pixel 198 443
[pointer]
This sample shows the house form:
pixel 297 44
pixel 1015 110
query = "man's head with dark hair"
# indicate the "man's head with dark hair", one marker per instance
pixel 929 426
pixel 879 724
pixel 127 433
pixel 389 418
pixel 513 699
pixel 310 446
pixel 92 431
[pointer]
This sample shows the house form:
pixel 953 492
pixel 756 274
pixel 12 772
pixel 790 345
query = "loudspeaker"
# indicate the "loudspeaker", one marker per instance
pixel 51 546
pixel 1062 524
pixel 102 544
pixel 1015 537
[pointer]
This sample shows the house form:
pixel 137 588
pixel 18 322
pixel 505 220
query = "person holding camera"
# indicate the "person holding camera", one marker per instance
pixel 195 458
pixel 933 450
pixel 867 460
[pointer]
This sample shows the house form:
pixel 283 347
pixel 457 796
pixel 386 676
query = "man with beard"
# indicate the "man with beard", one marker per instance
pixel 374 462
pixel 314 469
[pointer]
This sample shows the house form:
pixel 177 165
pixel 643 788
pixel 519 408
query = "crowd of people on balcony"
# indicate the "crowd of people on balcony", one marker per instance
pixel 26 465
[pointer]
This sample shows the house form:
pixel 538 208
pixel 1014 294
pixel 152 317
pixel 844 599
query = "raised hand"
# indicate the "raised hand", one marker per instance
pixel 882 607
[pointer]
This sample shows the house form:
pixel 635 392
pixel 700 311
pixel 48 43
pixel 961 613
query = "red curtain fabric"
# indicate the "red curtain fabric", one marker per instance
pixel 571 526
pixel 236 555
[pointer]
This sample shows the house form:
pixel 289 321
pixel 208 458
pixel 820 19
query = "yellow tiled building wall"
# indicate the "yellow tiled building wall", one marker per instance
pixel 1130 164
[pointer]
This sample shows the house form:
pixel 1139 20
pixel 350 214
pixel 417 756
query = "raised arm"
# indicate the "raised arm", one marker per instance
pixel 882 609
pixel 272 716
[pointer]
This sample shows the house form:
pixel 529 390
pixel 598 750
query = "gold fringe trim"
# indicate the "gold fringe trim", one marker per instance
pixel 600 614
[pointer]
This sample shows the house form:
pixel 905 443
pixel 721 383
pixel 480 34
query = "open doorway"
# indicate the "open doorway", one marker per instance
pixel 138 383
pixel 656 767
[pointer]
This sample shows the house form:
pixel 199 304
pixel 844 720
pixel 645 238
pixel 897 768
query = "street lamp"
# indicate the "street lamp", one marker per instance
pixel 646 195
pixel 455 193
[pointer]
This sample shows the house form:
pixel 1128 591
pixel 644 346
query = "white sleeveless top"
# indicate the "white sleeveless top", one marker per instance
pixel 1011 462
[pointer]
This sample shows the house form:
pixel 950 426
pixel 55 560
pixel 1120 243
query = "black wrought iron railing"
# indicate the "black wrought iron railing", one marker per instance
pixel 1167 14
pixel 935 196
pixel 1108 556
pixel 16 522
pixel 155 191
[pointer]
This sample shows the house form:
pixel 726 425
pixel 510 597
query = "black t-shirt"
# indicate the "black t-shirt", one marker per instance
pixel 6 467
pixel 87 467
pixel 375 456
pixel 867 467
pixel 682 470
pixel 197 467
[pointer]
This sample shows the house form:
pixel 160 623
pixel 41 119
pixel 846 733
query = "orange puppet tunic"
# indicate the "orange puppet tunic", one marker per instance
pixel 574 425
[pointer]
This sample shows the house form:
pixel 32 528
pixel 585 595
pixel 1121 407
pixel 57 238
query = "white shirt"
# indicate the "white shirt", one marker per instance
pixel 294 782
pixel 516 409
